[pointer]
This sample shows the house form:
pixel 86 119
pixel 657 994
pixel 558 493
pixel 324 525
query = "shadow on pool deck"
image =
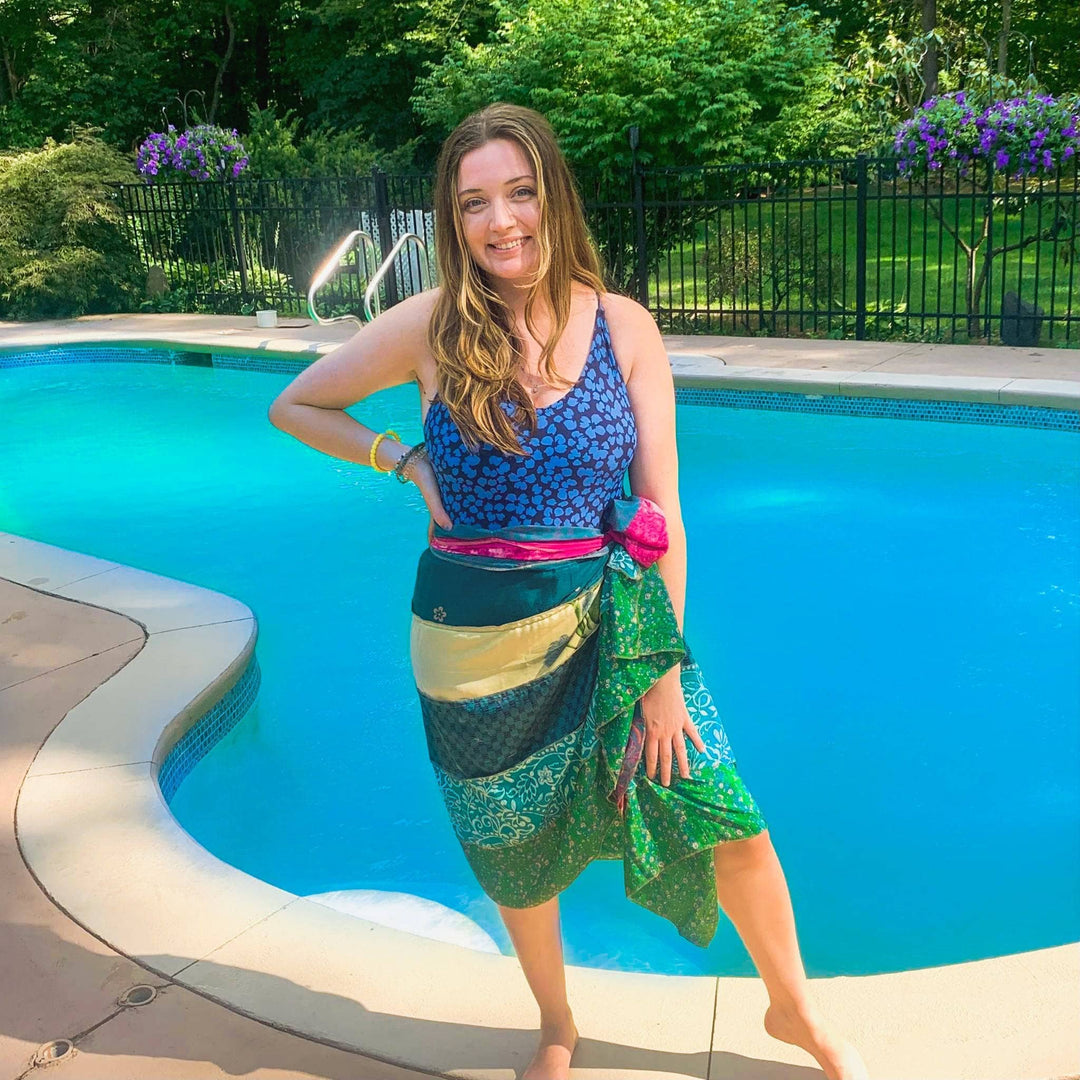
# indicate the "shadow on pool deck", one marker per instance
pixel 1001 1019
pixel 62 982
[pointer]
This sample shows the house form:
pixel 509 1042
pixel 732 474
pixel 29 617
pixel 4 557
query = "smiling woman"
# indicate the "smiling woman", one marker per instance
pixel 565 718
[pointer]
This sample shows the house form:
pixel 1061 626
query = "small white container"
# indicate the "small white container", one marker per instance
pixel 266 319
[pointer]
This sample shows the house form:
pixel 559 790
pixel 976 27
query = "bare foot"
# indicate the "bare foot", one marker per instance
pixel 839 1060
pixel 552 1058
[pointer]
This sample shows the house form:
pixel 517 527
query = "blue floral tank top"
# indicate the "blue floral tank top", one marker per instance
pixel 574 463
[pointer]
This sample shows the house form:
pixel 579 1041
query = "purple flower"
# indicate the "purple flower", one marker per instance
pixel 1002 159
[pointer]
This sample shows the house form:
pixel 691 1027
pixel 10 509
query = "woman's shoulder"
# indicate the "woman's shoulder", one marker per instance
pixel 633 330
pixel 413 311
pixel 403 331
pixel 626 310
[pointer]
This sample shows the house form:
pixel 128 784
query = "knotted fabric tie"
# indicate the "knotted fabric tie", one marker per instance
pixel 640 526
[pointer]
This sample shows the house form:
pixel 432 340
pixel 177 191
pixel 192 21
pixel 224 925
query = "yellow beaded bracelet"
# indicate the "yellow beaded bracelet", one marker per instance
pixel 375 447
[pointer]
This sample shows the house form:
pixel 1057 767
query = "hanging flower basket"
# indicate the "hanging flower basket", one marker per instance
pixel 202 152
pixel 1022 136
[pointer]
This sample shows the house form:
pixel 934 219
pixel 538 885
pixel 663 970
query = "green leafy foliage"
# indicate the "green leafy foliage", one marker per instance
pixel 217 289
pixel 277 150
pixel 356 62
pixel 63 247
pixel 703 80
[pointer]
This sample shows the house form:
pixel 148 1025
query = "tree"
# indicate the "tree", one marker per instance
pixel 115 64
pixel 703 80
pixel 1031 139
pixel 356 62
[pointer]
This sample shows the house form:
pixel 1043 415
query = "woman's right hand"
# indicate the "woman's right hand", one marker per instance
pixel 422 475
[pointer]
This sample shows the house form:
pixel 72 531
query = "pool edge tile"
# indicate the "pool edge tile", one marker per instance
pixel 1049 393
pixel 922 387
pixel 154 601
pixel 22 560
pixel 144 708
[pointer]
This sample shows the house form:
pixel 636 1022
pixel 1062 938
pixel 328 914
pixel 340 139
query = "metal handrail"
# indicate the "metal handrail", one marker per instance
pixel 329 268
pixel 373 285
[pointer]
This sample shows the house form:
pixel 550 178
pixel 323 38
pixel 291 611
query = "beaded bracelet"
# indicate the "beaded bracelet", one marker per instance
pixel 405 459
pixel 375 447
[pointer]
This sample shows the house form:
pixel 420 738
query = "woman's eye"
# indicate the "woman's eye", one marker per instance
pixel 527 192
pixel 471 204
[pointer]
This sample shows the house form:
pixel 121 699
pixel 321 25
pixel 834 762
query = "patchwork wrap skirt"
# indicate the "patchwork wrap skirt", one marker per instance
pixel 531 649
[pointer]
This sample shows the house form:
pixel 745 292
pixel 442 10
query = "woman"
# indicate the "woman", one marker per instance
pixel 547 612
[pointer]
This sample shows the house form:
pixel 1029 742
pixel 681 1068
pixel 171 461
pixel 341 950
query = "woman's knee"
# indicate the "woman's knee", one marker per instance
pixel 734 855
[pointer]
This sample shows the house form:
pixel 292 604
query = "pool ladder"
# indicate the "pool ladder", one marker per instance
pixel 365 243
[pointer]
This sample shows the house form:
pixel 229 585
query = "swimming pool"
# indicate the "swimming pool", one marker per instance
pixel 889 620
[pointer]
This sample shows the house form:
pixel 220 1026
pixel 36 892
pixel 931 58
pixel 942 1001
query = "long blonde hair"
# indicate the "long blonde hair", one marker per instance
pixel 471 333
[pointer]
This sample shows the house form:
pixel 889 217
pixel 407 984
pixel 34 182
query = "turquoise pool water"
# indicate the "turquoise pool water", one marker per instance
pixel 887 611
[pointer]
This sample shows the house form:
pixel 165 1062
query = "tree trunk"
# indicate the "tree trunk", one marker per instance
pixel 1003 38
pixel 9 71
pixel 223 65
pixel 930 59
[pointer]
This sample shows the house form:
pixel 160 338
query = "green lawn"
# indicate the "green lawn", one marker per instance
pixel 915 270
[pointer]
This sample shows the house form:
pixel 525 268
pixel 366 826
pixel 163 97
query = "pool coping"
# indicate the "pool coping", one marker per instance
pixel 97 835
pixel 690 368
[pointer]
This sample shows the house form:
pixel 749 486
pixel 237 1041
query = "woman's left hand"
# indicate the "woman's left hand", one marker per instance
pixel 667 727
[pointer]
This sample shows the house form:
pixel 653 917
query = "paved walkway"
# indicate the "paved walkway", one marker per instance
pixel 58 981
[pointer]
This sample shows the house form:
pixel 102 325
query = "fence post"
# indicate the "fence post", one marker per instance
pixel 386 239
pixel 238 241
pixel 639 220
pixel 988 285
pixel 860 246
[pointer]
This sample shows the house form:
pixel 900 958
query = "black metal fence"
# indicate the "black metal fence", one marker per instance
pixel 827 248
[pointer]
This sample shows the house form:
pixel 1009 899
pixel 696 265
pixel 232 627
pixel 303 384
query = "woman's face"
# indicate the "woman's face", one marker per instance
pixel 500 213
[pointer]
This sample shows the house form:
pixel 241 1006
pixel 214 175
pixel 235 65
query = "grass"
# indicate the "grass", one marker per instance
pixel 915 269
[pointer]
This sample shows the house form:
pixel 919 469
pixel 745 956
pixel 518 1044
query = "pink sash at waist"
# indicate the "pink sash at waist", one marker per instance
pixel 636 523
pixel 524 551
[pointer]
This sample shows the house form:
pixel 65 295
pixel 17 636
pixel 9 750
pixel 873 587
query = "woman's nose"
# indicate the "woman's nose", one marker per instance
pixel 502 214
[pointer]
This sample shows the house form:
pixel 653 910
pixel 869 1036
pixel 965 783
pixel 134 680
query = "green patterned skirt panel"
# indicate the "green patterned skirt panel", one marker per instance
pixel 529 676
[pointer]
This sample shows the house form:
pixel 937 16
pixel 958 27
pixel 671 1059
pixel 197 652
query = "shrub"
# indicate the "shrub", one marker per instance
pixel 64 250
pixel 278 151
pixel 218 290
pixel 777 265
pixel 705 81
pixel 1034 135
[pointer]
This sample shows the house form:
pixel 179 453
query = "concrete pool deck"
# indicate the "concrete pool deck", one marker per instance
pixel 113 662
pixel 1032 376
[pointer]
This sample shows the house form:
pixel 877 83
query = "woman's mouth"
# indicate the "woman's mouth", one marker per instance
pixel 509 245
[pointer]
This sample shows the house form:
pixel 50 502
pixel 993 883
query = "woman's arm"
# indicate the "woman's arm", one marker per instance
pixel 654 474
pixel 382 354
